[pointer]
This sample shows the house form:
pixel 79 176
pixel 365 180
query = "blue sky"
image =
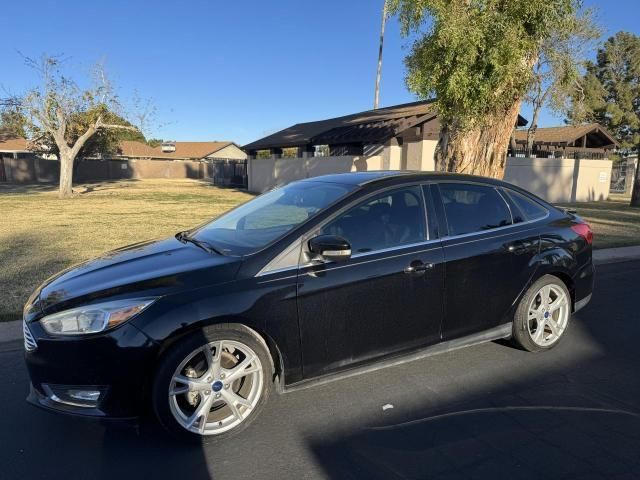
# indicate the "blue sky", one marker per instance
pixel 231 70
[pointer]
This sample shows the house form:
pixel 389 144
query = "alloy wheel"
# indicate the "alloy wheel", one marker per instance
pixel 216 387
pixel 548 315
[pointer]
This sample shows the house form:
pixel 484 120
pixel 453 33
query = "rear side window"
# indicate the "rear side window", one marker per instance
pixel 532 210
pixel 473 208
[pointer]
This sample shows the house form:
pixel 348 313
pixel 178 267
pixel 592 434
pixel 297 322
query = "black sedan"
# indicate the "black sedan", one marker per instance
pixel 322 278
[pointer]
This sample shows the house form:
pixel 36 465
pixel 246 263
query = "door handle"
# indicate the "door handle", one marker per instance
pixel 417 267
pixel 517 247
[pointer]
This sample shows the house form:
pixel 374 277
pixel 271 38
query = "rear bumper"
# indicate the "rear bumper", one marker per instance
pixel 583 281
pixel 580 304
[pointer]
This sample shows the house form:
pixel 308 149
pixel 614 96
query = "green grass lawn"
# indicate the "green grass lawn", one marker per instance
pixel 41 234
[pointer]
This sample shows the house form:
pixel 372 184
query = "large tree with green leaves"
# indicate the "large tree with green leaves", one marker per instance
pixel 610 94
pixel 62 118
pixel 476 57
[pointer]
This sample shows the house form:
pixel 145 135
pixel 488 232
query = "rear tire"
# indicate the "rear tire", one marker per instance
pixel 543 315
pixel 213 383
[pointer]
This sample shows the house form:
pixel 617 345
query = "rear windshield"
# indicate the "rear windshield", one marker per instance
pixel 259 222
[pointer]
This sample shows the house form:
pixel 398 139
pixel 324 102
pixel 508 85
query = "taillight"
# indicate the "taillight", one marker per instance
pixel 584 230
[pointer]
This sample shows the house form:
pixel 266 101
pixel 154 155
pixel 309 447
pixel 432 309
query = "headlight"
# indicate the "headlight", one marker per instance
pixel 94 318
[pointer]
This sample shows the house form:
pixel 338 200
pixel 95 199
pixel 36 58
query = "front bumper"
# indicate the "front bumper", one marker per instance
pixel 46 402
pixel 119 363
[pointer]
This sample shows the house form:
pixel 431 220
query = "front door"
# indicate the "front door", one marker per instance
pixel 386 298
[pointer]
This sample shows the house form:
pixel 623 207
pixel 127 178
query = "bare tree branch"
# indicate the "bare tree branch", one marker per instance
pixel 64 115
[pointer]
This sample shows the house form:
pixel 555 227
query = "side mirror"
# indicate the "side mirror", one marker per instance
pixel 330 247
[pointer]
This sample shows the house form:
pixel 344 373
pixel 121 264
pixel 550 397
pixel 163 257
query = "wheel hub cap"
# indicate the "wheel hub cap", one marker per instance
pixel 216 386
pixel 548 315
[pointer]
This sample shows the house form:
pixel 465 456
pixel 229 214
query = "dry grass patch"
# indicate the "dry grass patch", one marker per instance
pixel 614 222
pixel 41 234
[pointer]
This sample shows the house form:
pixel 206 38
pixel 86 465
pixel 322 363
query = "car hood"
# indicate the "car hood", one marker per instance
pixel 148 268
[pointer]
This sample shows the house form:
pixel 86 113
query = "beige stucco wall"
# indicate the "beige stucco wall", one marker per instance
pixel 594 180
pixel 428 155
pixel 230 151
pixel 413 155
pixel 394 151
pixel 561 179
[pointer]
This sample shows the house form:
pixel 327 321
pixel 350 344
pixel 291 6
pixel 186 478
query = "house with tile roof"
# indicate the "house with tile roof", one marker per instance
pixel 589 140
pixel 181 151
pixel 10 144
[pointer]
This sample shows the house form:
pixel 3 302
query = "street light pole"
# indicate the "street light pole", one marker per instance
pixel 376 99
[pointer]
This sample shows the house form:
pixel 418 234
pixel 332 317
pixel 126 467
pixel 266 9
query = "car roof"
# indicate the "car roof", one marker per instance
pixel 398 176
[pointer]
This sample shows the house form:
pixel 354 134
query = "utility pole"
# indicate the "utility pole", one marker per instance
pixel 376 99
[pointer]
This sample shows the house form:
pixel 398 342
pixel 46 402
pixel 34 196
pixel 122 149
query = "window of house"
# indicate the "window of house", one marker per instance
pixel 290 152
pixel 531 209
pixel 391 219
pixel 321 151
pixel 473 208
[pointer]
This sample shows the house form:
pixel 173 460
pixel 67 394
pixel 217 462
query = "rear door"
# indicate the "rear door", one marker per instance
pixel 386 298
pixel 487 256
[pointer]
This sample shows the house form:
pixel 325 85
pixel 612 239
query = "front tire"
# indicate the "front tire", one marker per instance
pixel 543 315
pixel 213 383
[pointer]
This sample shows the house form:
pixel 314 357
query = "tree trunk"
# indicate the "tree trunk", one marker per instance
pixel 635 191
pixel 66 174
pixel 480 150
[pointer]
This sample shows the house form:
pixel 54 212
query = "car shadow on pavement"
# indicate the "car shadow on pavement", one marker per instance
pixel 568 419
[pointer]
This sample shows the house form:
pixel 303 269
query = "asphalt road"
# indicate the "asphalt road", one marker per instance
pixel 489 411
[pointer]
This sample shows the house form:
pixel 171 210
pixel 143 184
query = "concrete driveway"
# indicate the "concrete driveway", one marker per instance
pixel 489 411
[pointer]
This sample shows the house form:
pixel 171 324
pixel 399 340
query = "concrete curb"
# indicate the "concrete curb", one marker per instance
pixel 12 331
pixel 615 255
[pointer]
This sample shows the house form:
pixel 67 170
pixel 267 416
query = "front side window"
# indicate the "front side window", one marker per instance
pixel 473 208
pixel 261 221
pixel 391 219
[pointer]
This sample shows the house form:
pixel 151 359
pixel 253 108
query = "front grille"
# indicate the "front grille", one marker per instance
pixel 29 342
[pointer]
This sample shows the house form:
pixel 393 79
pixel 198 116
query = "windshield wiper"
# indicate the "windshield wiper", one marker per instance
pixel 184 238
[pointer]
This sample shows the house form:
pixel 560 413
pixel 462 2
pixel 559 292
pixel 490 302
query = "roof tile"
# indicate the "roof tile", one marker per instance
pixel 130 148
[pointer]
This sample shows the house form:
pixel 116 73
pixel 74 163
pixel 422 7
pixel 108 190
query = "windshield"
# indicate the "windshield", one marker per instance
pixel 259 222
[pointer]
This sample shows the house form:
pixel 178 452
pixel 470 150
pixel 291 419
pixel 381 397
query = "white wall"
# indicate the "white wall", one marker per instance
pixel 560 180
